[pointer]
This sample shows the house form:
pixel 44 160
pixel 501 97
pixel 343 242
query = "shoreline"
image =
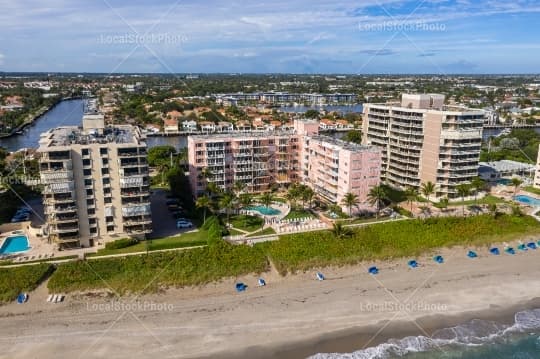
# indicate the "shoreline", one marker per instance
pixel 292 317
pixel 354 339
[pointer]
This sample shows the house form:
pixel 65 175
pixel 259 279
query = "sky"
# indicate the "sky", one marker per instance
pixel 279 36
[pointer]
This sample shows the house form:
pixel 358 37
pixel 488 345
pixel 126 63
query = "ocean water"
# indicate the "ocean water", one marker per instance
pixel 477 339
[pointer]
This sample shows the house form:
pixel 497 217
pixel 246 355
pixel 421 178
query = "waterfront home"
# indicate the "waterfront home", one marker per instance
pixel 224 126
pixel 258 124
pixel 243 126
pixel 175 115
pixel 170 126
pixel 207 126
pixel 189 126
pixel 327 124
pixel 344 124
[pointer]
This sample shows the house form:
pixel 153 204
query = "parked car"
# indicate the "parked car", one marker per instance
pixel 171 201
pixel 183 224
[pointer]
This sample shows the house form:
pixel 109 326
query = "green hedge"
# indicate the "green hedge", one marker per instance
pixel 147 273
pixel 393 239
pixel 21 279
pixel 121 243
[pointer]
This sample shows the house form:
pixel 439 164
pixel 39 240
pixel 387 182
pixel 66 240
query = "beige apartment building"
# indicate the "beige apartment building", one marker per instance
pixel 424 140
pixel 96 183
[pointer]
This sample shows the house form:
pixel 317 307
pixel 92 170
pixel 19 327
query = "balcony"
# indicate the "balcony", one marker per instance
pixel 66 239
pixel 137 221
pixel 63 219
pixel 461 134
pixel 62 209
pixel 65 229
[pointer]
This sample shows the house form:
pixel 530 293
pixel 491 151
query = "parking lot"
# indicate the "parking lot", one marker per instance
pixel 163 222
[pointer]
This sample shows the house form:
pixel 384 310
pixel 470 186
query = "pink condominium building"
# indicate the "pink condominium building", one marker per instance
pixel 262 160
pixel 424 140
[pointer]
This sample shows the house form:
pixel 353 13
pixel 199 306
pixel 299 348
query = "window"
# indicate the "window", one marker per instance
pixel 85 152
pixel 104 171
pixel 86 162
pixel 106 181
pixel 109 219
pixel 87 182
pixel 89 202
pixel 107 190
pixel 91 211
pixel 108 200
pixel 103 151
pixel 87 172
pixel 92 221
pixel 93 230
pixel 105 161
pixel 89 192
pixel 110 228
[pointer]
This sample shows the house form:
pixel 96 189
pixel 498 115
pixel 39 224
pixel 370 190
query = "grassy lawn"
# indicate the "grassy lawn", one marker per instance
pixel 489 199
pixel 303 251
pixel 10 262
pixel 299 213
pixel 184 240
pixel 294 252
pixel 264 232
pixel 246 222
pixel 21 279
pixel 532 190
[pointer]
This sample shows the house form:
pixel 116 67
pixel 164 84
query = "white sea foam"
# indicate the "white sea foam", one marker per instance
pixel 474 333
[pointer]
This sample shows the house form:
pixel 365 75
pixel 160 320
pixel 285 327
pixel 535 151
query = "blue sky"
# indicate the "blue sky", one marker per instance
pixel 304 36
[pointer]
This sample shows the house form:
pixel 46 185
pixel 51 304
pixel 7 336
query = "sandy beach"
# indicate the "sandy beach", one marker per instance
pixel 292 317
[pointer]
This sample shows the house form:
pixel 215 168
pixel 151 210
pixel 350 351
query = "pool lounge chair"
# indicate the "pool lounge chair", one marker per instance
pixel 472 254
pixel 320 276
pixel 495 251
pixel 373 270
pixel 438 259
pixel 412 264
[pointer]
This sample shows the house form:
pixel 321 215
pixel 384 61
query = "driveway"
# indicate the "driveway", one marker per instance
pixel 163 223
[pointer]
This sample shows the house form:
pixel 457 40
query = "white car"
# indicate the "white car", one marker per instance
pixel 184 224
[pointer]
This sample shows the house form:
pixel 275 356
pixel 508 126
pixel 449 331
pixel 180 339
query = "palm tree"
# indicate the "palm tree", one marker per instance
pixel 340 231
pixel 463 191
pixel 245 200
pixel 239 187
pixel 411 194
pixel 428 189
pixel 293 194
pixel 516 182
pixel 477 184
pixel 212 188
pixel 492 208
pixel 350 200
pixel 227 201
pixel 266 199
pixel 163 168
pixel 376 196
pixel 205 203
pixel 307 195
pixel 443 203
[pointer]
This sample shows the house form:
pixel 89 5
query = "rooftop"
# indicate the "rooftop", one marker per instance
pixel 243 135
pixel 505 166
pixel 349 146
pixel 73 135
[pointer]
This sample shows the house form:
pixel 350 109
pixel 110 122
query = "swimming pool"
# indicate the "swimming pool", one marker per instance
pixel 15 244
pixel 504 181
pixel 531 201
pixel 267 211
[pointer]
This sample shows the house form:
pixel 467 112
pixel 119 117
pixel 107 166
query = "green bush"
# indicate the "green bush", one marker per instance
pixel 392 240
pixel 121 243
pixel 21 279
pixel 148 273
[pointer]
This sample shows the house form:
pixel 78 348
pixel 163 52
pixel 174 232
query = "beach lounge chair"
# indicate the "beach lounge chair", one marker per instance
pixel 412 263
pixel 49 298
pixel 22 298
pixel 522 247
pixel 53 300
pixel 60 298
pixel 472 254
pixel 240 287
pixel 438 259
pixel 495 251
pixel 261 282
pixel 373 270
pixel 531 245
pixel 320 276
pixel 510 250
